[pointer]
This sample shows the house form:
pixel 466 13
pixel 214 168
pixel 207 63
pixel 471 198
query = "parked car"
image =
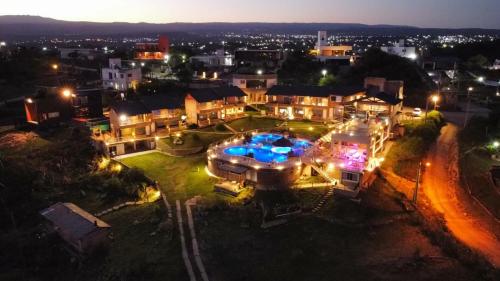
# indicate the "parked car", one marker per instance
pixel 417 112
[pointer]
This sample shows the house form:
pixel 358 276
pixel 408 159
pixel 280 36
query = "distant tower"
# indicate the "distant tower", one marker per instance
pixel 163 44
pixel 322 39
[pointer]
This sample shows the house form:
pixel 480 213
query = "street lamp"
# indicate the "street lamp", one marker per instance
pixel 417 184
pixel 259 72
pixel 435 99
pixel 496 144
pixel 66 93
pixel 480 79
pixel 324 72
pixel 469 90
pixel 55 66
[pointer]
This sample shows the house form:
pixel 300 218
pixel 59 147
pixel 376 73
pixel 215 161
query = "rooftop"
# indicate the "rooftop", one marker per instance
pixel 73 220
pixel 219 93
pixel 314 91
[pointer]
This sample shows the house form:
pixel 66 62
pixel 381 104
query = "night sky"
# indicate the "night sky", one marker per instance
pixel 423 13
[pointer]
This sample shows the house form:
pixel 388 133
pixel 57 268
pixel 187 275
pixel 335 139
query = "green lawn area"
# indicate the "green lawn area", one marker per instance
pixel 476 168
pixel 135 253
pixel 252 123
pixel 307 129
pixel 180 177
pixel 201 138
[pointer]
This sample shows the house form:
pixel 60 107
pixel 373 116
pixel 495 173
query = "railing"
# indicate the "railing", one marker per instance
pixel 216 151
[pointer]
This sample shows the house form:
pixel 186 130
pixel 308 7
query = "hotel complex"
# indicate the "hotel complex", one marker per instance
pixel 359 118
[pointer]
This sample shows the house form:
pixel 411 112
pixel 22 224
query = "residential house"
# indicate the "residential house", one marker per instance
pixel 153 50
pixel 49 106
pixel 356 148
pixel 119 77
pixel 383 98
pixel 266 59
pixel 84 232
pixel 399 49
pixel 136 124
pixel 318 103
pixel 219 59
pixel 166 111
pixel 323 52
pixel 211 105
pixel 255 85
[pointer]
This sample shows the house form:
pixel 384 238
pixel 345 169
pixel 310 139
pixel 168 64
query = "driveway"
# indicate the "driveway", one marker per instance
pixel 465 220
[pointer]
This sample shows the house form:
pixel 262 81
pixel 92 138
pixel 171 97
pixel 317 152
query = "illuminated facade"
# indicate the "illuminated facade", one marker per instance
pixel 153 51
pixel 317 103
pixel 209 106
pixel 119 77
pixel 255 85
pixel 324 52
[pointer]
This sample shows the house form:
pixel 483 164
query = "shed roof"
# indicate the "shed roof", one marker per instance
pixel 73 220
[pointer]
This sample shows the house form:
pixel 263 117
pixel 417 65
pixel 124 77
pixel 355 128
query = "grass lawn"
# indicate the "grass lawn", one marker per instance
pixel 476 168
pixel 135 253
pixel 252 123
pixel 180 177
pixel 308 129
pixel 201 138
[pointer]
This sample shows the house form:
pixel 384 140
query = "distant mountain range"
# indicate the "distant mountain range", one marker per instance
pixel 24 26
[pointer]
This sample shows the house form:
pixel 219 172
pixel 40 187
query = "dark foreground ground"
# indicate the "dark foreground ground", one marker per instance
pixel 373 240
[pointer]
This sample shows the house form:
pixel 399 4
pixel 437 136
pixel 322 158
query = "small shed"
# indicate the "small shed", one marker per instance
pixel 80 229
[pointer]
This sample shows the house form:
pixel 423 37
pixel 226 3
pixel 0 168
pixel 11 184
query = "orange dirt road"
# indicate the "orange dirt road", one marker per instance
pixel 464 219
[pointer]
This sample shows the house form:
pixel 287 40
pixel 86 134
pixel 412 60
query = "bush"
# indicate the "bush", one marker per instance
pixel 133 175
pixel 220 127
pixel 196 137
pixel 405 154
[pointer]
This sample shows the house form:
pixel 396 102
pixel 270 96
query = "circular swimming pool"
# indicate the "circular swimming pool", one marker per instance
pixel 261 148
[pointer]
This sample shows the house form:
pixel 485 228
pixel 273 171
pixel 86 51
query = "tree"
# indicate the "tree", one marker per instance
pixel 300 68
pixel 328 80
pixel 477 61
pixel 185 74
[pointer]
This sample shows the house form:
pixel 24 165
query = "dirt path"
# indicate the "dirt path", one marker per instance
pixel 441 186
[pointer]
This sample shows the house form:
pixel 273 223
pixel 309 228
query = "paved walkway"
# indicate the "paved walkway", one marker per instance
pixel 194 241
pixel 185 256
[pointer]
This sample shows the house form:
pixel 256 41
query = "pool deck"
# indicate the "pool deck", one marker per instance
pixel 217 152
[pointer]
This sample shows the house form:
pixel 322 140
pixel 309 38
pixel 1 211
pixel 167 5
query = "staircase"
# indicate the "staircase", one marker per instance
pixel 324 174
pixel 323 200
pixel 254 107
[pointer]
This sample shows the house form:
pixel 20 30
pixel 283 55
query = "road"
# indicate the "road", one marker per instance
pixel 464 219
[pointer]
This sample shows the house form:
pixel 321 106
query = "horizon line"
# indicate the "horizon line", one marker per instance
pixel 249 22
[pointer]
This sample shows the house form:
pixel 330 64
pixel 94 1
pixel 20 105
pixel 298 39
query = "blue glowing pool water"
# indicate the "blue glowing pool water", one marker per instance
pixel 261 149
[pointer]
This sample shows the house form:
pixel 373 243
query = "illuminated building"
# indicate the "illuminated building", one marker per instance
pixel 120 77
pixel 153 51
pixel 399 49
pixel 326 53
pixel 208 106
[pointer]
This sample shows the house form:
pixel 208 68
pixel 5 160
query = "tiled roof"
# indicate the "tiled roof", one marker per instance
pixel 314 91
pixel 163 101
pixel 383 96
pixel 72 220
pixel 130 107
pixel 211 94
